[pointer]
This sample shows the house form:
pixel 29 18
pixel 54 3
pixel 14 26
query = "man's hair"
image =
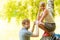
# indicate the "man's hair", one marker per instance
pixel 42 4
pixel 24 21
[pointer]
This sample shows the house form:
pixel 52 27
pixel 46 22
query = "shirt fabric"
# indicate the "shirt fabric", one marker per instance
pixel 24 34
pixel 49 19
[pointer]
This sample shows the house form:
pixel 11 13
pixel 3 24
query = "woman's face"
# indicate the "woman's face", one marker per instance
pixel 42 7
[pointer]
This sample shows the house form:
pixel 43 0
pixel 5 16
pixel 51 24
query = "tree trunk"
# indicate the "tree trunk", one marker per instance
pixel 50 6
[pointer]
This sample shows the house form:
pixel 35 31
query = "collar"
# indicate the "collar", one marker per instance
pixel 24 28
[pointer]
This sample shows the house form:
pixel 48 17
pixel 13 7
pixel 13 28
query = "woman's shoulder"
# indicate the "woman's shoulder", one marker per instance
pixel 46 10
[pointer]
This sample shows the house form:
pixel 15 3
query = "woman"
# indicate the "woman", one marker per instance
pixel 49 25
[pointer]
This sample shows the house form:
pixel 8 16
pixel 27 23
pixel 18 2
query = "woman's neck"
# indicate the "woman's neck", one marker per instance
pixel 43 9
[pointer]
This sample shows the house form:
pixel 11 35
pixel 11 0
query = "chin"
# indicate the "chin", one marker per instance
pixel 28 27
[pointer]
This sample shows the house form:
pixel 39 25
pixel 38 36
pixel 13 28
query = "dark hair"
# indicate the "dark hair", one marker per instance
pixel 24 21
pixel 42 4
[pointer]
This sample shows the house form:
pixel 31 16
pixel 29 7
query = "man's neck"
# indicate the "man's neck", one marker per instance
pixel 26 28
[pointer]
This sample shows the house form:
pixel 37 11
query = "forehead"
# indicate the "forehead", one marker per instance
pixel 27 22
pixel 42 4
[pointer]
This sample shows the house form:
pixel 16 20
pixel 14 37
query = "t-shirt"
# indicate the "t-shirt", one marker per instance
pixel 24 34
pixel 49 18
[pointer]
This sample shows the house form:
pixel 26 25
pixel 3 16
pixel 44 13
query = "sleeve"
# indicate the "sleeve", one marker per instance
pixel 28 33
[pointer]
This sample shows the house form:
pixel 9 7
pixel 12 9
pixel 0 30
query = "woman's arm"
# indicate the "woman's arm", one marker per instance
pixel 43 15
pixel 41 24
pixel 38 15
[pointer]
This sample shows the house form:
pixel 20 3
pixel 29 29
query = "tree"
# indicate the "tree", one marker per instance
pixel 50 6
pixel 23 9
pixel 27 9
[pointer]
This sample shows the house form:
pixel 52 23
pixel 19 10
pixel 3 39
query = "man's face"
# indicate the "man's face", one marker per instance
pixel 27 25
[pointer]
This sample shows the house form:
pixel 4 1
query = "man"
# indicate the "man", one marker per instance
pixel 24 33
pixel 48 25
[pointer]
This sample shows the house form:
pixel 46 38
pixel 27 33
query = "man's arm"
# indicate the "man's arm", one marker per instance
pixel 30 33
pixel 32 29
pixel 36 34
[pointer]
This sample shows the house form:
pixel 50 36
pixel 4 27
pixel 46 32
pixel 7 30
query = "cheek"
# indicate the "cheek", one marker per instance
pixel 42 7
pixel 29 25
pixel 25 25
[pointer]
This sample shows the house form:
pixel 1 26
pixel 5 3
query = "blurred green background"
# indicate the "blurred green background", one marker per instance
pixel 21 9
pixel 12 12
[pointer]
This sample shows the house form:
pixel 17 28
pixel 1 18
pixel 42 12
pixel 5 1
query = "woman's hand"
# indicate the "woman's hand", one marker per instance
pixel 39 17
pixel 39 9
pixel 41 23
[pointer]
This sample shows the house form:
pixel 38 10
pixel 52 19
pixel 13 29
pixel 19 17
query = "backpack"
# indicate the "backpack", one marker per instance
pixel 56 37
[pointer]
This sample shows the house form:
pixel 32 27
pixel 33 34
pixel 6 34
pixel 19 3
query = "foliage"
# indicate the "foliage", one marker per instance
pixel 21 9
pixel 57 7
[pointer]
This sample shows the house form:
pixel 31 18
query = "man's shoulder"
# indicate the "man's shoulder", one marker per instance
pixel 23 30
